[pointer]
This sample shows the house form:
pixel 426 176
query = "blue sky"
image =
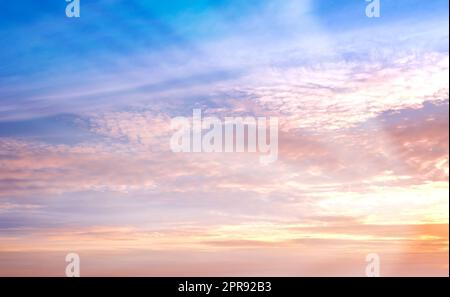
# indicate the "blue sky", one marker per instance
pixel 39 35
pixel 46 51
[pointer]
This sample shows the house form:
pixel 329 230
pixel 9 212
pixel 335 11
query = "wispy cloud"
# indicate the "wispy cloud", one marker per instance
pixel 85 162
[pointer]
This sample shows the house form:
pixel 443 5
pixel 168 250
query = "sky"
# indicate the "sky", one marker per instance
pixel 86 166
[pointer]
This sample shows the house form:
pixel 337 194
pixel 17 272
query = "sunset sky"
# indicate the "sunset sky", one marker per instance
pixel 85 160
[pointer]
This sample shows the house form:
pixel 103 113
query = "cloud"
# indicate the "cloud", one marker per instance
pixel 363 159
